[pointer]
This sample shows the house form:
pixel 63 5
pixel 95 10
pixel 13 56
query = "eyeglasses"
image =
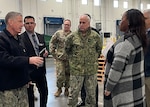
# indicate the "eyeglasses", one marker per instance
pixel 27 23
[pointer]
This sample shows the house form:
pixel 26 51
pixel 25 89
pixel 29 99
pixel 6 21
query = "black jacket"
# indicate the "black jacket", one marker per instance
pixel 34 71
pixel 147 57
pixel 13 62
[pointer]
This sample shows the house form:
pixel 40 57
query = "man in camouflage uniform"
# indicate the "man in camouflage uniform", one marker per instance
pixel 56 47
pixel 83 48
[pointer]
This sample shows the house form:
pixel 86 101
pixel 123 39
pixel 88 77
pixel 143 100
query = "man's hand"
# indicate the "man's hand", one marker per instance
pixel 45 54
pixel 36 60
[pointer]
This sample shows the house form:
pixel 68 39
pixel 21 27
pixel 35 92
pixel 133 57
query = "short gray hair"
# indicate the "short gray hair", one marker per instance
pixel 11 15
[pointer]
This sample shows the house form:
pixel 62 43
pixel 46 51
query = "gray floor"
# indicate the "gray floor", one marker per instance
pixel 62 100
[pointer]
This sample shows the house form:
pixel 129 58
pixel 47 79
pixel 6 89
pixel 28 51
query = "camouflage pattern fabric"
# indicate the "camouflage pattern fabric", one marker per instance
pixel 56 47
pixel 57 44
pixel 89 82
pixel 63 74
pixel 14 98
pixel 83 52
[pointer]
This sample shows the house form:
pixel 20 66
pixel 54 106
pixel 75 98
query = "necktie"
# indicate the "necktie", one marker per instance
pixel 36 46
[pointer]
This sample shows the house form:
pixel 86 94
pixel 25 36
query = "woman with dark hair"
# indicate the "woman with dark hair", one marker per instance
pixel 124 84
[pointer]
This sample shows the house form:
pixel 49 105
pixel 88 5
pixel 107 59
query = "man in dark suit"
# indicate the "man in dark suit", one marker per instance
pixel 34 44
pixel 146 14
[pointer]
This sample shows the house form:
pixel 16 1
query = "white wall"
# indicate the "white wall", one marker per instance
pixel 72 9
pixel 8 5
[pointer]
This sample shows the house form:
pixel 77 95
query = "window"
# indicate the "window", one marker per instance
pixel 84 2
pixel 59 0
pixel 148 6
pixel 125 4
pixel 96 2
pixel 115 3
pixel 141 6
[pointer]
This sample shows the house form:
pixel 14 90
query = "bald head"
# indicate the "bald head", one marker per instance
pixel 84 23
pixel 85 17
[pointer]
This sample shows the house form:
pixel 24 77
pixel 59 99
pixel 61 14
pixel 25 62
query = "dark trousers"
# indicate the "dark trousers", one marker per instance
pixel 41 84
pixel 83 95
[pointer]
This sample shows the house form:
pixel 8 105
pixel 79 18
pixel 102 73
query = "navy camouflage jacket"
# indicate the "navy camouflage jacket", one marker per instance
pixel 83 52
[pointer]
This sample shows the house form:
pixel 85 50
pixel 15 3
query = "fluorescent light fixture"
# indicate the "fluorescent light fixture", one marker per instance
pixel 115 3
pixel 148 6
pixel 84 2
pixel 141 6
pixel 96 2
pixel 59 0
pixel 125 4
pixel 43 0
